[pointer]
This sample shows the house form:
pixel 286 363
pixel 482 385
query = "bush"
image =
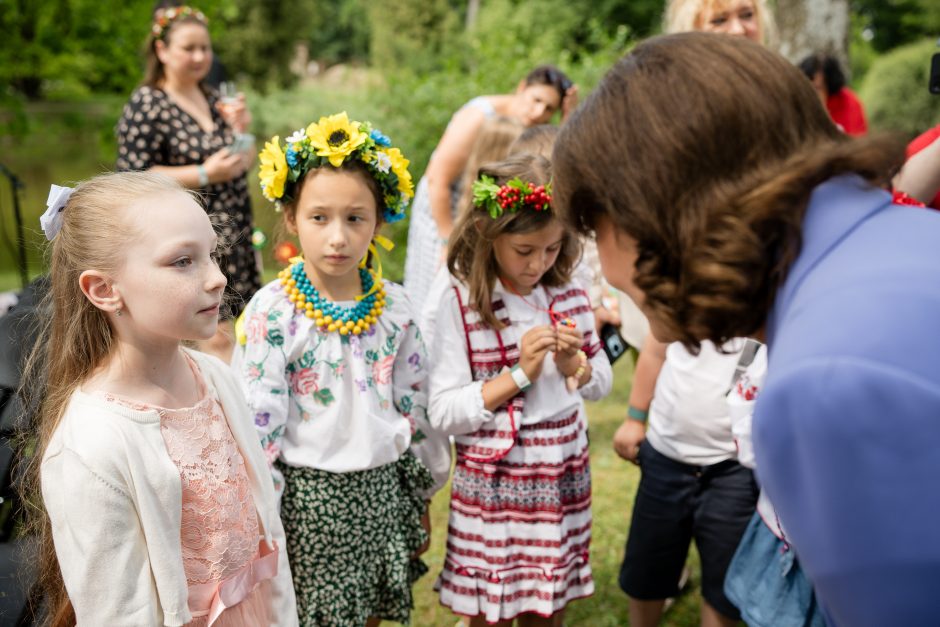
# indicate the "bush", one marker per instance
pixel 895 90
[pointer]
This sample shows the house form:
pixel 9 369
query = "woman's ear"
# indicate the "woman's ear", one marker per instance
pixel 99 290
pixel 159 49
pixel 520 87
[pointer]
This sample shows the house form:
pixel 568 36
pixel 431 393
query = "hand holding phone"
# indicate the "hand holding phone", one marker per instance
pixel 241 143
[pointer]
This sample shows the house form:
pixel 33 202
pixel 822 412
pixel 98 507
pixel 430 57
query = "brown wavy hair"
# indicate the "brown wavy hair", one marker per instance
pixel 705 149
pixel 470 256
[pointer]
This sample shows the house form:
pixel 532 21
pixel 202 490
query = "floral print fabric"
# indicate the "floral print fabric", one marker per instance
pixel 333 402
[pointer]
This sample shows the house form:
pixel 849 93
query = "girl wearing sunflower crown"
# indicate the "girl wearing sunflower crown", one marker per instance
pixel 334 369
pixel 514 355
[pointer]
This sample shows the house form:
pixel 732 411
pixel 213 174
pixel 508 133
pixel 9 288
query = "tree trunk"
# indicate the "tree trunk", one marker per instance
pixel 813 26
pixel 473 7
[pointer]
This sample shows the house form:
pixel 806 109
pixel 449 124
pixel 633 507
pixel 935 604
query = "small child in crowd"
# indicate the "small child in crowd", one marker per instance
pixel 514 355
pixel 155 489
pixel 335 372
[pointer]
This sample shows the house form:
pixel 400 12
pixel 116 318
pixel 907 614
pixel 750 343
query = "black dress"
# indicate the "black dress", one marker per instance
pixel 153 130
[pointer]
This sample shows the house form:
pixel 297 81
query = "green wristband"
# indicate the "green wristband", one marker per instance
pixel 637 414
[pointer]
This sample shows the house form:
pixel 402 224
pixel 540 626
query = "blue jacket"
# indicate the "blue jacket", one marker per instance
pixel 847 428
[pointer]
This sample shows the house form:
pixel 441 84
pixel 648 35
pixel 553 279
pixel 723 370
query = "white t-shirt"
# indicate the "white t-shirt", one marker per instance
pixel 689 419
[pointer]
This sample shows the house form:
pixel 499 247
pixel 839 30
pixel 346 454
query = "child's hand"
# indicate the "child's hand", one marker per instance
pixel 628 438
pixel 426 523
pixel 567 344
pixel 535 344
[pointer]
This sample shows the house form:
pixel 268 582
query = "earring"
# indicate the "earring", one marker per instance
pixel 118 312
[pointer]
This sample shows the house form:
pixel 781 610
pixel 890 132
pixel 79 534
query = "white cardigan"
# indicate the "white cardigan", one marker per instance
pixel 115 500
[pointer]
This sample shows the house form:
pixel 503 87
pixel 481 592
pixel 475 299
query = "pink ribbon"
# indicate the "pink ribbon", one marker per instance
pixel 234 589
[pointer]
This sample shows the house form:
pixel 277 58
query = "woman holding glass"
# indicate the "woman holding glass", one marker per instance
pixel 173 123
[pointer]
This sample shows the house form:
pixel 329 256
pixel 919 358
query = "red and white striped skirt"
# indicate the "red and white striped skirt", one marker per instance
pixel 520 528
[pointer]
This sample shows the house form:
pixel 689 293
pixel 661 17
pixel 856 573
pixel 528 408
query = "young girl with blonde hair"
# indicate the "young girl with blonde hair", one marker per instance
pixel 335 372
pixel 158 508
pixel 513 357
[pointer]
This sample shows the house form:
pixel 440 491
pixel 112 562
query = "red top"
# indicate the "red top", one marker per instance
pixel 846 110
pixel 920 142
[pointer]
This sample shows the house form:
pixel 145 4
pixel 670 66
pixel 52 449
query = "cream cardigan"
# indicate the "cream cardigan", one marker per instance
pixel 115 500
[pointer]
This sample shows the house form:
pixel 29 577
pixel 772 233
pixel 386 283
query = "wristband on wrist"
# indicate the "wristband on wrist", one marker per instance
pixel 520 377
pixel 203 175
pixel 638 414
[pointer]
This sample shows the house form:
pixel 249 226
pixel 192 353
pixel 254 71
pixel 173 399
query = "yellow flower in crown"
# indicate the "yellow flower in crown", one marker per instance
pixel 335 138
pixel 273 170
pixel 400 168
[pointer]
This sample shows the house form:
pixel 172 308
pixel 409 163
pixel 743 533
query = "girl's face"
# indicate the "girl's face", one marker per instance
pixel 170 285
pixel 524 258
pixel 335 218
pixel 734 17
pixel 618 253
pixel 537 103
pixel 186 53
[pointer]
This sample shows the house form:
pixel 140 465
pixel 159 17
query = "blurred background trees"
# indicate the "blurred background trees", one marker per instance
pixel 68 66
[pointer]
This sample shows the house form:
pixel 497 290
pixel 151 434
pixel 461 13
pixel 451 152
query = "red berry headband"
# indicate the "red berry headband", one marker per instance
pixel 513 196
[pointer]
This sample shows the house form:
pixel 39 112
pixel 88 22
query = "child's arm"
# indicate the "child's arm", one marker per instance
pixel 459 404
pixel 410 385
pixel 100 546
pixel 632 432
pixel 262 375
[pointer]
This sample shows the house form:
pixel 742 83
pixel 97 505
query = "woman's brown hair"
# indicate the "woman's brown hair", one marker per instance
pixel 153 67
pixel 470 255
pixel 74 340
pixel 705 148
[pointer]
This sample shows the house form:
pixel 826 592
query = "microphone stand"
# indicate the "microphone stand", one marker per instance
pixel 16 185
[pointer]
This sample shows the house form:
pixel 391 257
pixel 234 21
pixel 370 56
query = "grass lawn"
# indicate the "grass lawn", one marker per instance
pixel 615 484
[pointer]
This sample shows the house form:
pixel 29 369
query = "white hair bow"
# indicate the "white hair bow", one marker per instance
pixel 51 220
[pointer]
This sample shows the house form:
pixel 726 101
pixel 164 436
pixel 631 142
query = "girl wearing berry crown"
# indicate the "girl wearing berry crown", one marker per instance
pixel 514 354
pixel 334 369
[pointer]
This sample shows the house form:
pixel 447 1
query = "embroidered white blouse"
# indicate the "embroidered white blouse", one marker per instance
pixel 333 402
pixel 456 404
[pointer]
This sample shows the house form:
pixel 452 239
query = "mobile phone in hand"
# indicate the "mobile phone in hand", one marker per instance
pixel 241 143
pixel 614 344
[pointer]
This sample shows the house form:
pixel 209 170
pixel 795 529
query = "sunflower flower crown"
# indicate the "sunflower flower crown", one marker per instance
pixel 516 194
pixel 335 140
pixel 162 18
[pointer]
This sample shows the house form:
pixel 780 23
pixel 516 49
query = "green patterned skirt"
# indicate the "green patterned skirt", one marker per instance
pixel 350 540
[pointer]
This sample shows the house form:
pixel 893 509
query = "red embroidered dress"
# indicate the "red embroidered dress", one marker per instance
pixel 520 521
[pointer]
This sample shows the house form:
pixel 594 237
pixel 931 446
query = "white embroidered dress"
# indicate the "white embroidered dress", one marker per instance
pixel 338 403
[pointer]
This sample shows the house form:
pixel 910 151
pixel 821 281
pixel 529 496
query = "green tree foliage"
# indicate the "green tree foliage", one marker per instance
pixel 339 31
pixel 895 90
pixel 73 48
pixel 892 23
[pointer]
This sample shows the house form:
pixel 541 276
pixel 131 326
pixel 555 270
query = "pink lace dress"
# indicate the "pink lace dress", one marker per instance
pixel 227 566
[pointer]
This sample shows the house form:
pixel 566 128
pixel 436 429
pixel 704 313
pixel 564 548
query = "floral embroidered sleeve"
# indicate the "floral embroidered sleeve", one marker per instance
pixel 410 384
pixel 262 372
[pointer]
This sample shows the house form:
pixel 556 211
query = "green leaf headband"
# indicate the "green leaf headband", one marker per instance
pixel 513 196
pixel 335 140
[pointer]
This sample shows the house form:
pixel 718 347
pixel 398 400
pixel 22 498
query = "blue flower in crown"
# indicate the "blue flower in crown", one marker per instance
pixel 293 159
pixel 380 138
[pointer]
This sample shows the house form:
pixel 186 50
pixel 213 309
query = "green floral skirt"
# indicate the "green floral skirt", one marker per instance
pixel 350 540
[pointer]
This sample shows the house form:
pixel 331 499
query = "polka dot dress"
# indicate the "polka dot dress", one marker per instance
pixel 153 131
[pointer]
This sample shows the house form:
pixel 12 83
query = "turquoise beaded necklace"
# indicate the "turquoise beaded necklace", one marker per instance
pixel 326 314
